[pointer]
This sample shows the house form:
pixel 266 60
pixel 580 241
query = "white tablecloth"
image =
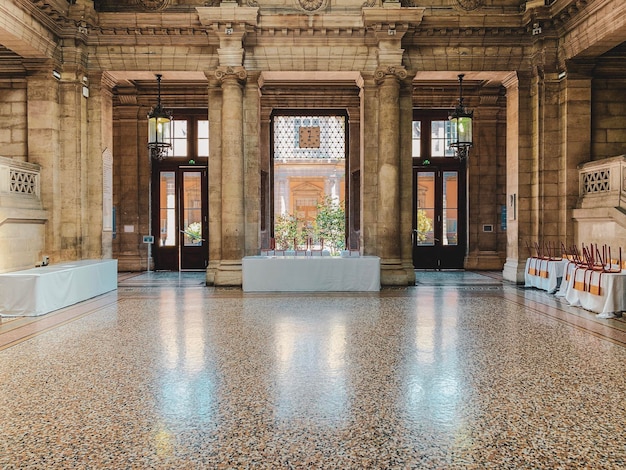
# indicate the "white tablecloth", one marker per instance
pixel 311 273
pixel 605 294
pixel 544 274
pixel 42 290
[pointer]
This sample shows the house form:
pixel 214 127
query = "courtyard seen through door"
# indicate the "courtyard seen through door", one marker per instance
pixel 309 166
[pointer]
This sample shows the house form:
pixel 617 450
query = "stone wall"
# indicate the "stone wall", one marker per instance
pixel 13 118
pixel 609 115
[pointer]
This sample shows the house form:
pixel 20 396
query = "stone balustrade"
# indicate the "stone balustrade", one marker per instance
pixel 603 183
pixel 601 212
pixel 22 217
pixel 18 181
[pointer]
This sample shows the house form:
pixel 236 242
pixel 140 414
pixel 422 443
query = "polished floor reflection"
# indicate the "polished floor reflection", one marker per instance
pixel 460 371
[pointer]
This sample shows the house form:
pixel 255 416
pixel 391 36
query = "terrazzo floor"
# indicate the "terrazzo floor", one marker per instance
pixel 460 371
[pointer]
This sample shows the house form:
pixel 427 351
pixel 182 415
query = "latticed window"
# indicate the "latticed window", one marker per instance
pixel 327 141
pixel 597 181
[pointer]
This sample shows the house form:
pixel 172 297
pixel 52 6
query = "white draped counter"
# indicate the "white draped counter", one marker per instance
pixel 599 292
pixel 42 290
pixel 544 274
pixel 311 273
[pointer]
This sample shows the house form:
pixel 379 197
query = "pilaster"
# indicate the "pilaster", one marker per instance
pixel 43 130
pixel 521 172
pixel 132 180
pixel 576 120
pixel 214 93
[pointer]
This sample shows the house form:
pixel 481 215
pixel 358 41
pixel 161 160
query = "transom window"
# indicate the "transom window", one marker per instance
pixel 190 135
pixel 432 134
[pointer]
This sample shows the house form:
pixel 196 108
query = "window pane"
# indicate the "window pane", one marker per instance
pixel 450 209
pixel 203 138
pixel 167 209
pixel 179 142
pixel 425 208
pixel 441 135
pixel 192 213
pixel 417 138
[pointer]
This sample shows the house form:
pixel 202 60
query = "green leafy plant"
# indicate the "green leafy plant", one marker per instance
pixel 194 230
pixel 330 224
pixel 424 225
pixel 285 231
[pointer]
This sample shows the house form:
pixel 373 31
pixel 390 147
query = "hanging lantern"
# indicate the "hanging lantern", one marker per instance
pixel 159 128
pixel 461 126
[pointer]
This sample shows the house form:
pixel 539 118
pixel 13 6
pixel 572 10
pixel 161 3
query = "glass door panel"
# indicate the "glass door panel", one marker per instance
pixel 167 208
pixel 194 250
pixel 425 204
pixel 438 219
pixel 192 209
pixel 450 208
pixel 180 219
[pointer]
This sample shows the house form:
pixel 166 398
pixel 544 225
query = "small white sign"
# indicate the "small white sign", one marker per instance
pixel 129 228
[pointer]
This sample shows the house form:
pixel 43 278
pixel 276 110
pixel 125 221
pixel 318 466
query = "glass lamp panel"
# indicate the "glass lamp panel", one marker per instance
pixel 464 129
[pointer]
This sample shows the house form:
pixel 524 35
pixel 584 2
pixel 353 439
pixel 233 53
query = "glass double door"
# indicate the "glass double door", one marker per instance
pixel 180 218
pixel 439 218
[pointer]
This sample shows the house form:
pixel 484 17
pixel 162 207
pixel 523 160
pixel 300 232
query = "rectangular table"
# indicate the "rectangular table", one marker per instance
pixel 544 274
pixel 42 290
pixel 602 293
pixel 311 273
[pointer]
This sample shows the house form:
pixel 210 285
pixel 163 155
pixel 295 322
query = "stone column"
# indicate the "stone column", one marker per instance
pixel 389 181
pixel 233 215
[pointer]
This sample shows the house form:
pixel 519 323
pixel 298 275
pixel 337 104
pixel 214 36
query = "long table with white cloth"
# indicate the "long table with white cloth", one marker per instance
pixel 37 291
pixel 544 274
pixel 600 292
pixel 311 273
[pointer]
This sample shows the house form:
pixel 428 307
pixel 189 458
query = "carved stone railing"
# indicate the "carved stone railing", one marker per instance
pixel 603 183
pixel 19 183
pixel 22 216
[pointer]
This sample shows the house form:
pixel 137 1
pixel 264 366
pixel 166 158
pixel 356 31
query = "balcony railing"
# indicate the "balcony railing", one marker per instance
pixel 19 182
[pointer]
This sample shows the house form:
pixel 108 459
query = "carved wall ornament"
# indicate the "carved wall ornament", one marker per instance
pixel 396 71
pixel 470 5
pixel 224 73
pixel 153 5
pixel 310 6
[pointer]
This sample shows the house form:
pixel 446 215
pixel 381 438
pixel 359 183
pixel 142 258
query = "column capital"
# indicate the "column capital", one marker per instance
pixel 391 71
pixel 222 74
